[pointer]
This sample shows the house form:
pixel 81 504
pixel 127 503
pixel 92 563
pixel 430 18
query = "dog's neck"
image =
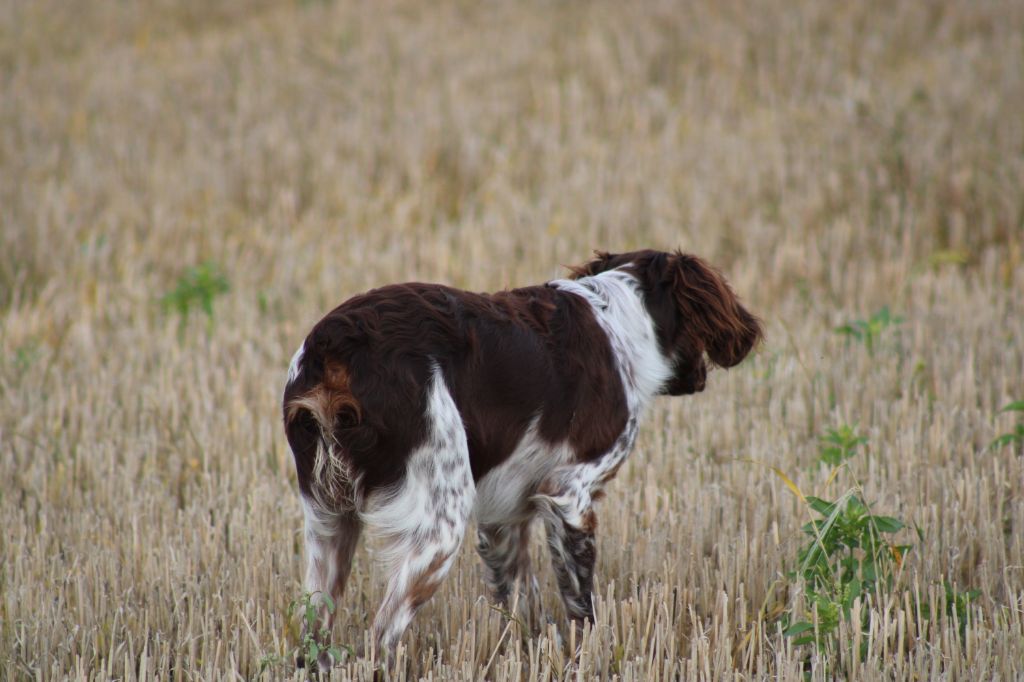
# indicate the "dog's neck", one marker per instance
pixel 618 304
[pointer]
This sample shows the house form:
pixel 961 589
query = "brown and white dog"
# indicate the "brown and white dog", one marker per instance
pixel 412 407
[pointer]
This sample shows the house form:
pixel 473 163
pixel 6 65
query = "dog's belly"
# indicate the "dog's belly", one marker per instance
pixel 503 494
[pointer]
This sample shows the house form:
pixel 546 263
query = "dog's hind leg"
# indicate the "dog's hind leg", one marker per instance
pixel 423 518
pixel 331 539
pixel 332 526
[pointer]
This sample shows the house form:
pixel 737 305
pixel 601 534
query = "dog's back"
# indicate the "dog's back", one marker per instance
pixel 359 383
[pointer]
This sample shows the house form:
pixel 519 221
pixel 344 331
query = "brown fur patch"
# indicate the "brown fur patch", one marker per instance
pixel 328 399
pixel 589 522
pixel 717 323
pixel 424 586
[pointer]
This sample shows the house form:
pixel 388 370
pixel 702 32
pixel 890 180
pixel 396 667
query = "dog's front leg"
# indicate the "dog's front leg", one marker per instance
pixel 505 552
pixel 570 522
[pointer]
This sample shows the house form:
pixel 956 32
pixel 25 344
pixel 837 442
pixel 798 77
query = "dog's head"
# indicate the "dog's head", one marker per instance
pixel 694 311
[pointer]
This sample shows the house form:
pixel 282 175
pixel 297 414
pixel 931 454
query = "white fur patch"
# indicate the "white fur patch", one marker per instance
pixel 424 518
pixel 576 483
pixel 438 480
pixel 319 531
pixel 503 493
pixel 618 305
pixel 294 367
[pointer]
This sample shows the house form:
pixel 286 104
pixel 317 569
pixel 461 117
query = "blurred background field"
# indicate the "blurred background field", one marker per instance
pixel 185 187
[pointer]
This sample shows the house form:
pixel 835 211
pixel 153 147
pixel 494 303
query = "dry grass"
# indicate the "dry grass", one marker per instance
pixel 831 158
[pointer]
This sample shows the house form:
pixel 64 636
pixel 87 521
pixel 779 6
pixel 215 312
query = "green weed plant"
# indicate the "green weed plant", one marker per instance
pixel 869 331
pixel 1015 438
pixel 197 287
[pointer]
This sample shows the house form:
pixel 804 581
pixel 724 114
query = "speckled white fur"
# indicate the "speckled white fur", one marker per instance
pixel 423 520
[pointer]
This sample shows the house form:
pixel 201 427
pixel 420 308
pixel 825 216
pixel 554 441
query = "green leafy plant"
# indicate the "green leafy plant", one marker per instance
pixel 840 444
pixel 1016 437
pixel 315 641
pixel 847 557
pixel 197 287
pixel 870 330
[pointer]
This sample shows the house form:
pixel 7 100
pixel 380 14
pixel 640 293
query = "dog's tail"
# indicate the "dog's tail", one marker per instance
pixel 318 400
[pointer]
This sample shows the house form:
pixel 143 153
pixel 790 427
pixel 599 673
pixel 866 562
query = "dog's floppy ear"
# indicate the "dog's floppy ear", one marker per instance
pixel 712 315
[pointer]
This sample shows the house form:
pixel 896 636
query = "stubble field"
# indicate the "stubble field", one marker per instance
pixel 832 159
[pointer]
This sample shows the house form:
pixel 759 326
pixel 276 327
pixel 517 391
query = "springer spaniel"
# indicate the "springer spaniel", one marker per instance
pixel 411 407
